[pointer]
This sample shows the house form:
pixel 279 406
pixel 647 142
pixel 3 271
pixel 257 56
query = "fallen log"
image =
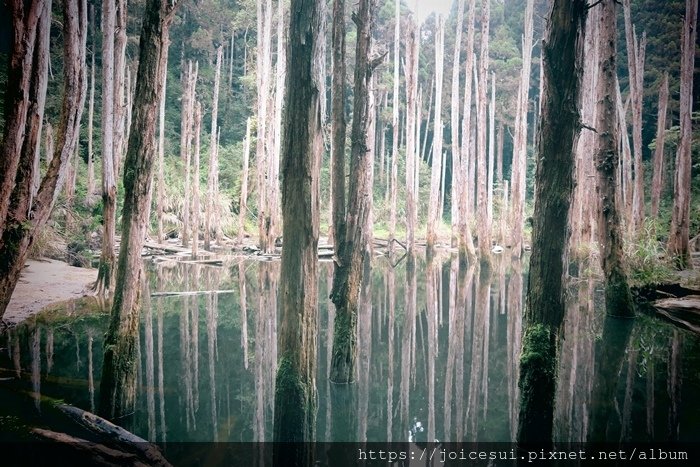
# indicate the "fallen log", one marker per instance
pixel 97 453
pixel 684 311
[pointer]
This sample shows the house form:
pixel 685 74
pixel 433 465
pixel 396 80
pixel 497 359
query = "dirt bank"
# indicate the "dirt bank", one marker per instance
pixel 44 282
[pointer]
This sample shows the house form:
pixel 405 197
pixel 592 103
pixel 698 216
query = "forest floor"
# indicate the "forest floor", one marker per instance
pixel 46 281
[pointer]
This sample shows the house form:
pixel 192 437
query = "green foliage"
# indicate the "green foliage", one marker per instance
pixel 646 256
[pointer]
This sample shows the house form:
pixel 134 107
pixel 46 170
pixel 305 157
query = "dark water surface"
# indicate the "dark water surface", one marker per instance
pixel 444 366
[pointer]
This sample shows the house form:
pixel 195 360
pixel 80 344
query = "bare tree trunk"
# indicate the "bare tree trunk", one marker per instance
pixel 280 70
pixel 120 86
pixel 499 154
pixel 680 221
pixel 412 133
pixel 213 176
pixel 492 147
pixel 90 189
pixel 338 126
pixel 434 214
pixel 393 174
pixel 354 249
pixel 635 66
pixel 519 163
pixel 625 168
pixel 457 174
pixel 105 278
pixel 559 131
pixel 484 224
pixel 657 180
pixel 17 228
pixel 466 242
pixel 186 127
pixel 195 178
pixel 243 203
pixel 295 389
pixel 617 293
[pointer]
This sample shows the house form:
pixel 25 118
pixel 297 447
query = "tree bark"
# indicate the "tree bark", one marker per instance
pixel 338 126
pixel 243 203
pixel 105 276
pixel 484 224
pixel 354 249
pixel 90 189
pixel 393 174
pixel 617 293
pixel 22 219
pixel 160 201
pixel 434 213
pixel 658 161
pixel 412 132
pixel 457 175
pixel 680 221
pixel 559 130
pixel 116 391
pixel 195 178
pixel 295 391
pixel 121 89
pixel 213 177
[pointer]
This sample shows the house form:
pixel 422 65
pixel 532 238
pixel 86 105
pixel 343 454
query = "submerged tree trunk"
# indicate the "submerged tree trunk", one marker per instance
pixel 618 299
pixel 118 370
pixel 338 126
pixel 559 131
pixel 348 272
pixel 658 161
pixel 17 227
pixel 678 239
pixel 434 212
pixel 295 391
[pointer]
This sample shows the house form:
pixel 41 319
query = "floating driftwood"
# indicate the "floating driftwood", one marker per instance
pixel 684 311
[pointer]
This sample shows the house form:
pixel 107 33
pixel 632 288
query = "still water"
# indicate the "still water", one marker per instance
pixel 437 358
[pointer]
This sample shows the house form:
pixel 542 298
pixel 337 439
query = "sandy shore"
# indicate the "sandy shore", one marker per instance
pixel 44 282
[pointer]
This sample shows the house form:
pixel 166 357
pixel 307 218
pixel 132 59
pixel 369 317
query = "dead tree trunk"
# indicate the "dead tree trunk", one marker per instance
pixel 90 189
pixel 412 133
pixel 559 130
pixel 213 177
pixel 195 178
pixel 466 242
pixel 120 85
pixel 393 174
pixel 160 201
pixel 434 213
pixel 354 249
pixel 457 176
pixel 519 164
pixel 105 275
pixel 617 293
pixel 118 370
pixel 657 179
pixel 338 126
pixel 295 389
pixel 678 239
pixel 492 148
pixel 26 215
pixel 243 203
pixel 635 66
pixel 484 225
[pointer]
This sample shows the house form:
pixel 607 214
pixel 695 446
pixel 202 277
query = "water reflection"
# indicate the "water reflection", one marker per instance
pixel 438 351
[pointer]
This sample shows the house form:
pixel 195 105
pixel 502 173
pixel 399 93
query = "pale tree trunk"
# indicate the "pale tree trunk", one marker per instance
pixel 90 189
pixel 195 178
pixel 457 174
pixel 243 203
pixel 295 388
pixel 213 176
pixel 355 247
pixel 424 145
pixel 393 174
pixel 187 128
pixel 105 278
pixel 559 130
pixel 434 213
pixel 338 126
pixel 120 86
pixel 499 154
pixel 274 168
pixel 117 388
pixel 484 224
pixel 625 170
pixel 658 161
pixel 678 239
pixel 635 66
pixel 492 148
pixel 230 60
pixel 412 133
pixel 467 159
pixel 617 293
pixel 264 71
pixel 17 228
pixel 160 201
pixel 519 164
